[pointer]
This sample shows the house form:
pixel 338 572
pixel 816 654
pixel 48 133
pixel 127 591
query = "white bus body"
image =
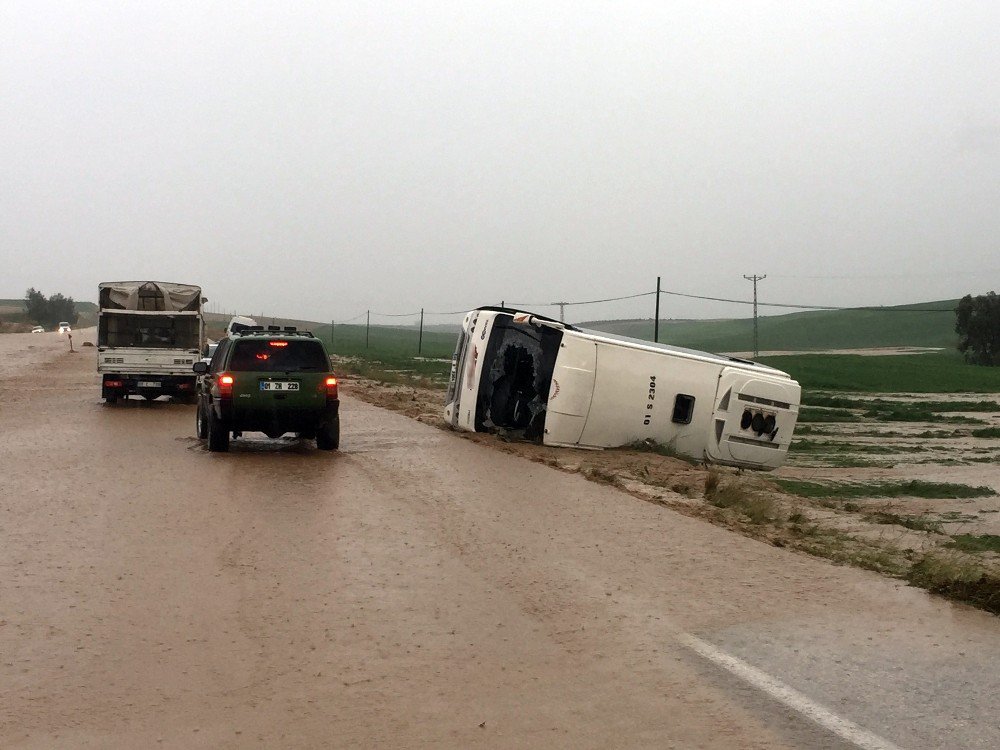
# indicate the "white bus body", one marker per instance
pixel 239 323
pixel 527 375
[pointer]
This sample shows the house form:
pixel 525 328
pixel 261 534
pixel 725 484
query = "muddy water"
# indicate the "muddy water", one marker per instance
pixel 417 589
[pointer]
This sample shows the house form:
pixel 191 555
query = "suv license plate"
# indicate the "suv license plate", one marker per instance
pixel 279 385
pixel 149 384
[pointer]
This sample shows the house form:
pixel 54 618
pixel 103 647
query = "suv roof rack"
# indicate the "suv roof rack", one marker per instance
pixel 272 331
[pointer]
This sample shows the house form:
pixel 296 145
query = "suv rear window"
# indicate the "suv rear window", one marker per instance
pixel 277 355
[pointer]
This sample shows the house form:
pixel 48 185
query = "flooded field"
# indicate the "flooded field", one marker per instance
pixel 905 484
pixel 159 595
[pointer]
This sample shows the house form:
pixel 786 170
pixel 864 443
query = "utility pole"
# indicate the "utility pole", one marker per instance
pixel 331 333
pixel 755 279
pixel 368 325
pixel 656 320
pixel 420 340
pixel 562 311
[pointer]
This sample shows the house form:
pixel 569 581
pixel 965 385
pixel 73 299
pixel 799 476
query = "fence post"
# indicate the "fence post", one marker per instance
pixel 656 321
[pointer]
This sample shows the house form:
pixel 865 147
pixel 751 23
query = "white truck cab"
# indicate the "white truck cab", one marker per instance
pixel 528 375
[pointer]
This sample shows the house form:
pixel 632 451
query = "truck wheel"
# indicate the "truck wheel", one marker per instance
pixel 218 435
pixel 200 423
pixel 111 398
pixel 328 436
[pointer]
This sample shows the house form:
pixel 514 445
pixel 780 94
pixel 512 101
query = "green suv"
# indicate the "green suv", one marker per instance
pixel 272 380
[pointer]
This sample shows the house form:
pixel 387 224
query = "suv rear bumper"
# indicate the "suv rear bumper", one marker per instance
pixel 284 420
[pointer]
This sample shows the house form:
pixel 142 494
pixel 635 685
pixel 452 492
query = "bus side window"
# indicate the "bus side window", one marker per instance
pixel 683 409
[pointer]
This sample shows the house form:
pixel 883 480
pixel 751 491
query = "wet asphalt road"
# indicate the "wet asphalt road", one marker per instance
pixel 420 590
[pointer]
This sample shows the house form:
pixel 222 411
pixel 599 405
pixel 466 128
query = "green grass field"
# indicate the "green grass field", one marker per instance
pixel 393 348
pixel 906 325
pixel 913 488
pixel 937 372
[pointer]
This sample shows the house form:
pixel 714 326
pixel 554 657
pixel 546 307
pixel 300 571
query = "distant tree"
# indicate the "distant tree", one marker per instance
pixel 49 311
pixel 63 308
pixel 36 307
pixel 977 323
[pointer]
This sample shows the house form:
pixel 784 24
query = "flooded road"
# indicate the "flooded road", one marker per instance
pixel 420 590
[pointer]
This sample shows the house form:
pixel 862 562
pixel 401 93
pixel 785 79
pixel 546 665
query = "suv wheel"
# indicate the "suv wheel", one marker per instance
pixel 201 424
pixel 218 435
pixel 328 436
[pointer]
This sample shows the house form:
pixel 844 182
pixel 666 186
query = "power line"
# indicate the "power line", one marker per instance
pixel 668 292
pixel 456 312
pixel 951 274
pixel 356 317
pixel 582 302
pixel 806 307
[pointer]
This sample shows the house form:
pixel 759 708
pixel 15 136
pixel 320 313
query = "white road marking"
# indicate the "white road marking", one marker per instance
pixel 792 698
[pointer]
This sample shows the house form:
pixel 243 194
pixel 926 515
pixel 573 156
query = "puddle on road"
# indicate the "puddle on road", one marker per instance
pixel 258 445
pixel 291 445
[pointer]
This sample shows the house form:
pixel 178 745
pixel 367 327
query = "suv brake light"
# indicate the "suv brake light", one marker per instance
pixel 331 388
pixel 226 385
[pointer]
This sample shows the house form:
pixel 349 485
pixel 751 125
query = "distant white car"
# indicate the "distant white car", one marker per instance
pixel 64 327
pixel 38 329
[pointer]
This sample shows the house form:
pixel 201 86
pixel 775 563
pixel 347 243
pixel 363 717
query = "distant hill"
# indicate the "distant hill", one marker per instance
pixel 215 323
pixel 17 305
pixel 12 313
pixel 928 324
pixel 449 328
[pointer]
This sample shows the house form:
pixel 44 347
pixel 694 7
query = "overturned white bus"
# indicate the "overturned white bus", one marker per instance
pixel 534 377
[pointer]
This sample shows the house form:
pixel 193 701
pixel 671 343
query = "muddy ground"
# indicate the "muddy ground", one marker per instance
pixel 417 589
pixel 889 535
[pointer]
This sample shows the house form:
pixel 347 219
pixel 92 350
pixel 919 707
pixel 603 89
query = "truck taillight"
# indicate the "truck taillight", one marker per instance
pixel 226 385
pixel 114 383
pixel 331 388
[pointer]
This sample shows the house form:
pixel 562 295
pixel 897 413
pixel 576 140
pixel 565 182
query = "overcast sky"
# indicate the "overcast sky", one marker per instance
pixel 320 159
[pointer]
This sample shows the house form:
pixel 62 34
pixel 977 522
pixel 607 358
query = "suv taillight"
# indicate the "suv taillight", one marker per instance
pixel 331 388
pixel 226 385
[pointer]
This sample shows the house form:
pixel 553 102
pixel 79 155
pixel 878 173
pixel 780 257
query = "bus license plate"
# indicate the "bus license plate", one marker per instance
pixel 279 385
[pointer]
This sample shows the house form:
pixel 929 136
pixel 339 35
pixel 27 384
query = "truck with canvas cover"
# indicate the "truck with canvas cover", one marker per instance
pixel 529 376
pixel 149 334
